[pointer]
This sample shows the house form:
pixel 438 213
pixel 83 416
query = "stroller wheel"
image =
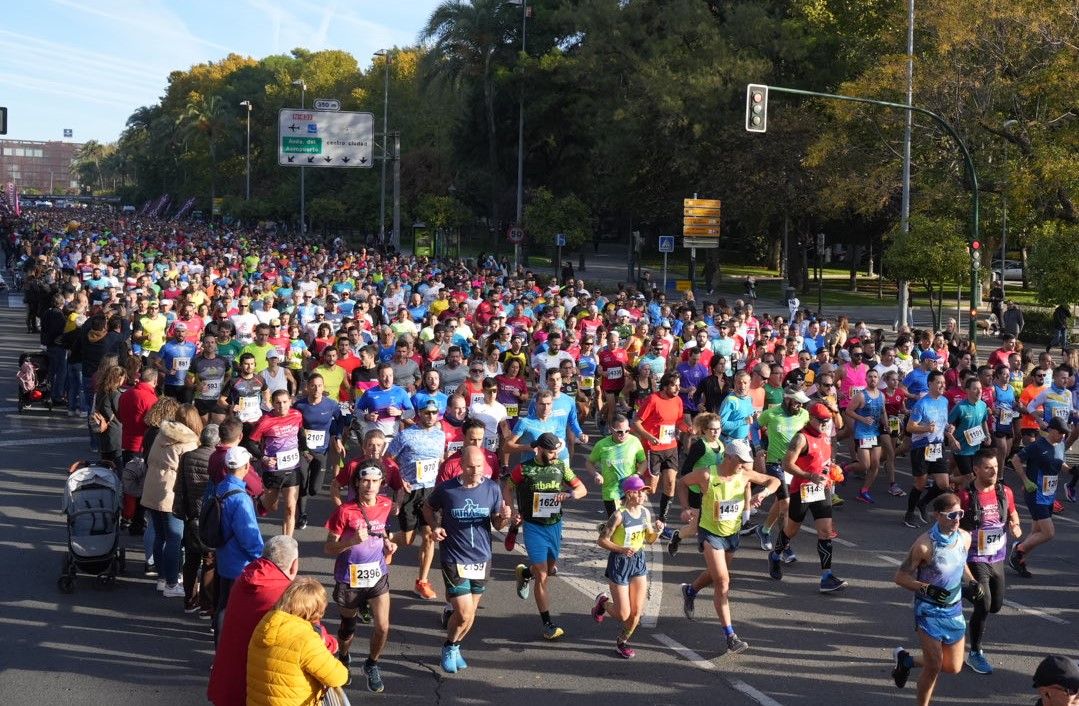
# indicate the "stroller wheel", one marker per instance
pixel 66 584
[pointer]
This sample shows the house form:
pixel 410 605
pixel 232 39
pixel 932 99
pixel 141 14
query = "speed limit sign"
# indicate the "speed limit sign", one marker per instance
pixel 516 235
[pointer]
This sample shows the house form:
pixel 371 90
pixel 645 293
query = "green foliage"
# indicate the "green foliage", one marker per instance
pixel 442 211
pixel 1054 268
pixel 933 253
pixel 547 215
pixel 326 212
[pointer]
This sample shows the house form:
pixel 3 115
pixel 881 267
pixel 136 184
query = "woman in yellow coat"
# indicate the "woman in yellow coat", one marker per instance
pixel 287 661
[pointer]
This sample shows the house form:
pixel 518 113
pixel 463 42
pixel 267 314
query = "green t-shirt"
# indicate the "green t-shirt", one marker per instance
pixel 536 487
pixel 615 462
pixel 230 351
pixel 260 354
pixel 781 429
pixel 772 396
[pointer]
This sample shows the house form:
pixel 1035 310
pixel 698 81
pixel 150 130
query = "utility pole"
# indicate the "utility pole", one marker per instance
pixel 385 144
pixel 904 214
pixel 397 191
pixel 247 175
pixel 521 140
pixel 303 192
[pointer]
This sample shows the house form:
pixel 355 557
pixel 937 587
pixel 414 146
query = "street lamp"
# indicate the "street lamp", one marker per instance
pixel 520 133
pixel 1004 201
pixel 385 143
pixel 303 197
pixel 247 179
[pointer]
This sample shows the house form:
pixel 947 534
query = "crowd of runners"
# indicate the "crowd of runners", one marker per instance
pixel 441 400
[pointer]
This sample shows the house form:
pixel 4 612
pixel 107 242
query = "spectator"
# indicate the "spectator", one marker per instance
pixel 132 409
pixel 107 404
pixel 260 585
pixel 1012 321
pixel 190 487
pixel 288 663
pixel 1061 316
pixel 52 332
pixel 1057 681
pixel 239 524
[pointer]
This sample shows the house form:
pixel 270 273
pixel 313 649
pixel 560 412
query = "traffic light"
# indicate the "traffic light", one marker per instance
pixel 3 121
pixel 756 108
pixel 976 254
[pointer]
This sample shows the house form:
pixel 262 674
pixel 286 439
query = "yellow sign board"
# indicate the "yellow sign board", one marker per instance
pixel 700 230
pixel 683 285
pixel 700 221
pixel 701 212
pixel 701 203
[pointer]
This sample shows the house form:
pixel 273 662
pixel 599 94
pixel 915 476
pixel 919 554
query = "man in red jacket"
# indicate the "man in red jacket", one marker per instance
pixel 253 595
pixel 132 409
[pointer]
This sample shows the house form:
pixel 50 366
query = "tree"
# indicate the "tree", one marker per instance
pixel 326 212
pixel 933 253
pixel 205 119
pixel 1053 266
pixel 87 165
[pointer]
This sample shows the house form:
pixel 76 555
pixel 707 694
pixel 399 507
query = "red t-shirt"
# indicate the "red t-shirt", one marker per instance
pixel 613 364
pixel 451 467
pixel 391 473
pixel 661 418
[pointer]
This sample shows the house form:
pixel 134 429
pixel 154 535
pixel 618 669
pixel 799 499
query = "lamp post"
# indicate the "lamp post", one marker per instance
pixel 520 132
pixel 904 217
pixel 385 140
pixel 303 196
pixel 247 176
pixel 1004 202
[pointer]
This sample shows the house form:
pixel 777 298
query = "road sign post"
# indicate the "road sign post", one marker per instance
pixel 560 242
pixel 325 138
pixel 666 246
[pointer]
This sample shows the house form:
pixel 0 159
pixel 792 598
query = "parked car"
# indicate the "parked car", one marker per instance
pixel 1013 270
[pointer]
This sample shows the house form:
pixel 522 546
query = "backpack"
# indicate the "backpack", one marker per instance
pixel 973 520
pixel 133 476
pixel 211 533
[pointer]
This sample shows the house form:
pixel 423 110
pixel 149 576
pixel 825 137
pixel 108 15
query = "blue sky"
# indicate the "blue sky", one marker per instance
pixel 88 64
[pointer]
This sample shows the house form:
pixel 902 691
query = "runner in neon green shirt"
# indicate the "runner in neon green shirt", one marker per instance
pixel 613 458
pixel 780 423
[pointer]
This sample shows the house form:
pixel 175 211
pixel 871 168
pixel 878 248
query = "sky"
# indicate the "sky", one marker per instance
pixel 86 65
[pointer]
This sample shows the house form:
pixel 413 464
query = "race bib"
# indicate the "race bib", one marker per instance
pixel 812 492
pixel 632 539
pixel 666 433
pixel 893 424
pixel 474 572
pixel 870 443
pixel 974 436
pixel 490 443
pixel 588 384
pixel 856 390
pixel 182 365
pixel 512 410
pixel 211 389
pixel 1049 485
pixel 364 575
pixel 1061 413
pixel 934 452
pixel 1006 416
pixel 453 447
pixel 315 439
pixel 546 504
pixel 426 471
pixel 287 460
pixel 727 510
pixel 614 373
pixel 990 542
pixel 477 398
pixel 250 409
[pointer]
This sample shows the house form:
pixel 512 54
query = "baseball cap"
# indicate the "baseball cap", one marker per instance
pixel 1055 670
pixel 930 355
pixel 273 354
pixel 179 326
pixel 1058 424
pixel 548 441
pixel 430 406
pixel 740 450
pixel 797 396
pixel 633 482
pixel 237 457
pixel 622 312
pixel 820 411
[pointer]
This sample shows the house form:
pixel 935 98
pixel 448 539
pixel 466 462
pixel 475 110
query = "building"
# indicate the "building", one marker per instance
pixel 39 168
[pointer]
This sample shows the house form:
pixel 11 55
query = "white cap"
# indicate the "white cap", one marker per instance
pixel 237 457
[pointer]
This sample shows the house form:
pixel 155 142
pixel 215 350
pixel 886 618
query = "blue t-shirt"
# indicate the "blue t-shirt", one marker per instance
pixel 180 354
pixel 1005 399
pixel 966 416
pixel 320 422
pixel 925 411
pixel 917 382
pixel 564 414
pixel 379 400
pixel 466 517
pixel 874 409
pixel 529 429
pixel 735 414
pixel 419 453
pixel 1043 468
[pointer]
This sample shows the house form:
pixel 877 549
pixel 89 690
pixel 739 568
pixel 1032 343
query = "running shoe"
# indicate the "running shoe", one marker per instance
pixel 445 621
pixel 160 585
pixel 424 590
pixel 901 671
pixel 865 497
pixel 449 659
pixel 923 514
pixel 1069 493
pixel 599 610
pixel 689 601
pixel 789 557
pixel 624 651
pixel 191 606
pixel 522 581
pixel 749 528
pixel 895 491
pixel 552 632
pixel 1015 561
pixel 667 534
pixel 1058 507
pixel 148 569
pixel 976 660
pixel 461 663
pixel 672 548
pixel 837 501
pixel 832 583
pixel 764 538
pixel 302 522
pixel 176 590
pixel 775 566
pixel 552 570
pixel 374 678
pixel 736 645
pixel 911 520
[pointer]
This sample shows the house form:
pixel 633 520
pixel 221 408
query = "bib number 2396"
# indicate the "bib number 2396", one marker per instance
pixel 364 575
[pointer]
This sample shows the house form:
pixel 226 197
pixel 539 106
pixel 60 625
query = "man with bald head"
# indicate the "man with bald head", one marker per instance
pixel 461 512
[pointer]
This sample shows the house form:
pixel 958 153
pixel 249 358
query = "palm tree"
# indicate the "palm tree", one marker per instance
pixel 467 38
pixel 205 118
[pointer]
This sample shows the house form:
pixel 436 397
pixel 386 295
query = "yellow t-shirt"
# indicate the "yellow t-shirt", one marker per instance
pixel 154 328
pixel 332 377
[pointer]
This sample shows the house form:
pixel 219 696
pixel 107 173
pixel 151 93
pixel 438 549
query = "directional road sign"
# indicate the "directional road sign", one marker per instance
pixel 320 138
pixel 666 243
pixel 703 241
pixel 702 203
pixel 700 219
pixel 700 230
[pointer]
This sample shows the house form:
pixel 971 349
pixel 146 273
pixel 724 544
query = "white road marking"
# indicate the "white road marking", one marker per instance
pixel 838 540
pixel 1035 612
pixel 889 560
pixel 701 663
pixel 44 442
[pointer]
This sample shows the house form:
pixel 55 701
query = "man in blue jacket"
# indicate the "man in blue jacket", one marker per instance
pixel 240 524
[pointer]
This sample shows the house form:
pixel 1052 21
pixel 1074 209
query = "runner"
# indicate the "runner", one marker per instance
pixel 615 458
pixel 927 425
pixel 322 423
pixel 624 536
pixel 468 506
pixel 1004 414
pixel 868 414
pixel 780 424
pixel 207 377
pixel 725 504
pixel 1039 467
pixel 657 424
pixel 357 537
pixel 969 422
pixel 535 492
pixel 808 460
pixel 936 571
pixel 990 515
pixel 613 362
pixel 274 442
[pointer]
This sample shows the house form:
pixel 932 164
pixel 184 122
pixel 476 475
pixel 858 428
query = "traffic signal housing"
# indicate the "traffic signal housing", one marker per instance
pixel 756 108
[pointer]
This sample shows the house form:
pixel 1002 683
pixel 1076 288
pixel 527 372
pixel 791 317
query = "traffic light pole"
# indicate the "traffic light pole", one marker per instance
pixel 972 175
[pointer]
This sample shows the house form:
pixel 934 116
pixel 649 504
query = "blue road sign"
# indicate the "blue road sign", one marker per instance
pixel 560 240
pixel 666 243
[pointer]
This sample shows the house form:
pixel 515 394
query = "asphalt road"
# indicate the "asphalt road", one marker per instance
pixel 128 645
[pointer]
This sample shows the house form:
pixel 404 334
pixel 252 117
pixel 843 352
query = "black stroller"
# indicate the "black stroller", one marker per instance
pixel 91 503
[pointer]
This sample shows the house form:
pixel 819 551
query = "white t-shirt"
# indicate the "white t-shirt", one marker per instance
pixel 491 415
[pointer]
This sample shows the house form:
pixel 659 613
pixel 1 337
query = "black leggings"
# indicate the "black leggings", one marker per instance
pixel 991 577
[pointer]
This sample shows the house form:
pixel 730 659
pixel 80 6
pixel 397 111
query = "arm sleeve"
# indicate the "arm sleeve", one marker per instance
pixel 572 422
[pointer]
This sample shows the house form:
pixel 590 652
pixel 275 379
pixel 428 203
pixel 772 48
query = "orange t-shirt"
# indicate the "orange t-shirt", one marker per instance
pixel 1028 421
pixel 661 418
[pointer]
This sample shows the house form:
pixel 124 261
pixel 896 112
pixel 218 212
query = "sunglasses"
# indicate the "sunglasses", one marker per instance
pixel 954 515
pixel 619 431
pixel 1070 692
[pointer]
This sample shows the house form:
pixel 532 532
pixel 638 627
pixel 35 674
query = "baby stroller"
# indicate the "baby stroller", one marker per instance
pixel 92 506
pixel 33 377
